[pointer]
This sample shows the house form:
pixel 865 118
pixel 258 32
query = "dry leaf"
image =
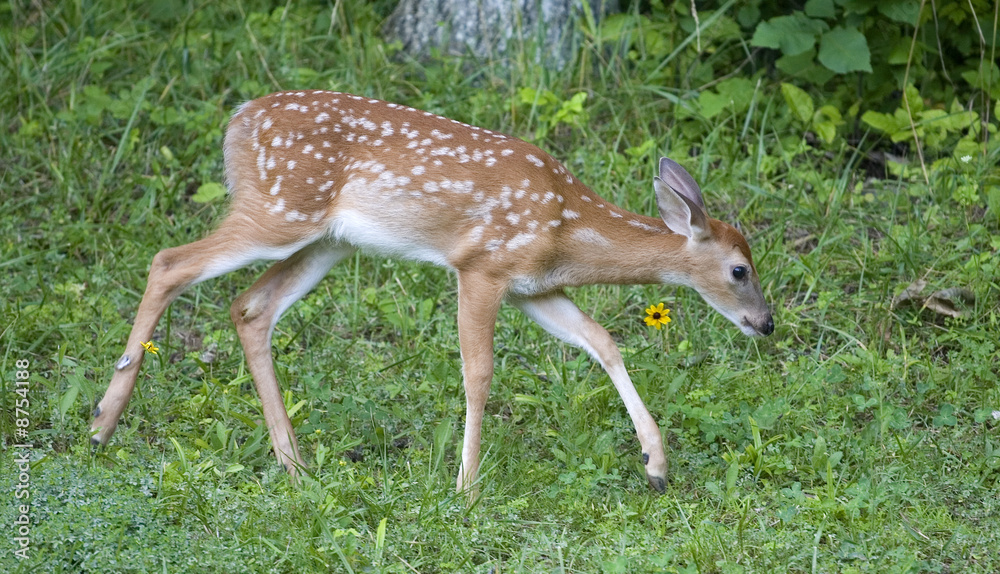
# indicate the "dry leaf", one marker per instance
pixel 949 301
pixel 911 293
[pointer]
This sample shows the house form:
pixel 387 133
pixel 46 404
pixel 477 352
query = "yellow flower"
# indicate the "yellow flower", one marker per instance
pixel 657 316
pixel 150 347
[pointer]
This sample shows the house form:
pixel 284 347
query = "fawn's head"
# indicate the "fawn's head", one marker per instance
pixel 720 265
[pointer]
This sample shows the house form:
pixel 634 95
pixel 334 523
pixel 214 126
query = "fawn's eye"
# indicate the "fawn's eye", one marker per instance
pixel 739 272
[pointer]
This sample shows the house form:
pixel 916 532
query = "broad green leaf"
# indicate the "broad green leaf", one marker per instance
pixel 845 50
pixel 826 130
pixel 983 79
pixel 885 123
pixel 966 148
pixel 819 454
pixel 804 67
pixel 946 416
pixel 956 120
pixel 820 9
pixel 209 192
pixel 711 104
pixel 831 113
pixel 913 99
pixel 792 35
pixel 71 393
pixel 739 91
pixel 748 15
pixel 900 51
pixel 905 11
pixel 993 201
pixel 799 101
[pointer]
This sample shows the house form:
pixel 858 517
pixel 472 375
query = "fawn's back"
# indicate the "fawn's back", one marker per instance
pixel 407 183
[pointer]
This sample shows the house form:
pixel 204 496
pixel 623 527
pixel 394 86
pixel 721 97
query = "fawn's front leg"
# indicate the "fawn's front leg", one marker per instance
pixel 558 315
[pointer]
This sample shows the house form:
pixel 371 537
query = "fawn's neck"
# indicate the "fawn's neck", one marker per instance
pixel 608 245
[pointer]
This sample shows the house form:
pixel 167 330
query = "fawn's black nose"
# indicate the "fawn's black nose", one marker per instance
pixel 768 326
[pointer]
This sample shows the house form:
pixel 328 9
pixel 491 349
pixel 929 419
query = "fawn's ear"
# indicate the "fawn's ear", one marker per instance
pixel 680 202
pixel 680 181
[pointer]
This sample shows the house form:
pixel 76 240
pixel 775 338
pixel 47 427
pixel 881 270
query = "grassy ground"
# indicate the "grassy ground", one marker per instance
pixel 860 437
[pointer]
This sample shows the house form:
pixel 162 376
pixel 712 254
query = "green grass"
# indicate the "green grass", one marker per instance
pixel 860 437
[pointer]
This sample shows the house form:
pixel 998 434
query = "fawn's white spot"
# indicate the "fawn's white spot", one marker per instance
pixel 641 225
pixel 520 240
pixel 295 216
pixel 276 188
pixel 570 214
pixel 261 164
pixel 588 235
pixel 322 117
pixel 476 235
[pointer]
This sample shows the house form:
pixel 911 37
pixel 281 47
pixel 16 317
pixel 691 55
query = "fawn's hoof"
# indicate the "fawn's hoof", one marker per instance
pixel 657 477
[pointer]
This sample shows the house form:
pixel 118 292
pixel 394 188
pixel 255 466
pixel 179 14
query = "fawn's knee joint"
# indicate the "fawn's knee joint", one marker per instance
pixel 247 308
pixel 161 262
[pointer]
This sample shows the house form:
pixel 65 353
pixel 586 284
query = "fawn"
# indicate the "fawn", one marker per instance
pixel 314 176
